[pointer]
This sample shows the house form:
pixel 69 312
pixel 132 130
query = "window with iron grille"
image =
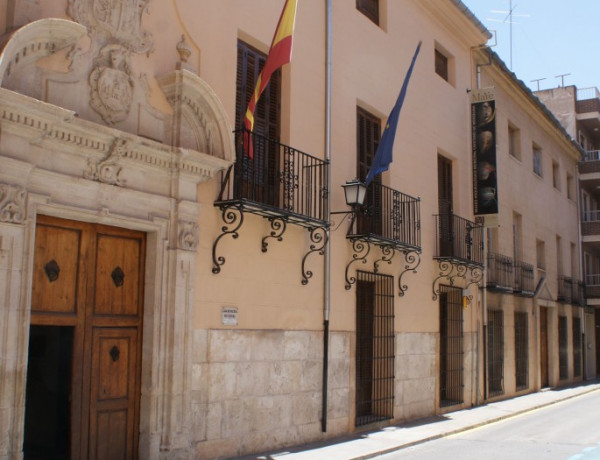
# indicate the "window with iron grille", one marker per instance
pixel 495 335
pixel 521 350
pixel 563 357
pixel 577 347
pixel 451 346
pixel 375 345
pixel 370 8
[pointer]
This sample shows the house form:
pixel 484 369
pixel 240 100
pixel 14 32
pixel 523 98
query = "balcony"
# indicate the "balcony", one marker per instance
pixel 500 273
pixel 590 225
pixel 504 274
pixel 524 279
pixel 570 291
pixel 459 252
pixel 279 183
pixel 458 240
pixel 587 107
pixel 389 218
pixel 592 286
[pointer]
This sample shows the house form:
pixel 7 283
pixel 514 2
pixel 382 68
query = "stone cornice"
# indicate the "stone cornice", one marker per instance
pixel 59 129
pixel 457 21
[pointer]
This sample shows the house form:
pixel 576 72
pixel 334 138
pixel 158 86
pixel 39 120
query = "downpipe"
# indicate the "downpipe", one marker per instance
pixel 327 255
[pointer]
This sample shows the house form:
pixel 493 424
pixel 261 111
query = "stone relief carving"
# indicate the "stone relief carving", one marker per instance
pixel 118 20
pixel 111 84
pixel 12 204
pixel 109 169
pixel 188 235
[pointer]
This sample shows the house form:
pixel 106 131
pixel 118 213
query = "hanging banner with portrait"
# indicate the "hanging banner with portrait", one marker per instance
pixel 483 144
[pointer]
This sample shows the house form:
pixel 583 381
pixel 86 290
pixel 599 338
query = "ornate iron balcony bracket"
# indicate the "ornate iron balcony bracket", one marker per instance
pixel 319 237
pixel 452 271
pixel 278 227
pixel 412 261
pixel 361 248
pixel 233 216
pixel 387 254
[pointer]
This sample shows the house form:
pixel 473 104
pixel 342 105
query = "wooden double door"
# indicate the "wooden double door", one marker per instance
pixel 83 376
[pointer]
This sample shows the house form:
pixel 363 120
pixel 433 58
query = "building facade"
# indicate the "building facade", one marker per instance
pixel 579 112
pixel 164 295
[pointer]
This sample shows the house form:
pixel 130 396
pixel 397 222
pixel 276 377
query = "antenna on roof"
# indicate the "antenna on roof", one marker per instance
pixel 509 18
pixel 562 79
pixel 538 80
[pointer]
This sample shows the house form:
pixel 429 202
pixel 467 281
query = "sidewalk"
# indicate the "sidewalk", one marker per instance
pixel 370 444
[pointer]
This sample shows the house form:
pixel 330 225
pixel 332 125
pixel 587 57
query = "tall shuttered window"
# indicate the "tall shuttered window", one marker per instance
pixel 250 62
pixel 259 179
pixel 375 345
pixel 451 346
pixel 368 134
pixel 370 8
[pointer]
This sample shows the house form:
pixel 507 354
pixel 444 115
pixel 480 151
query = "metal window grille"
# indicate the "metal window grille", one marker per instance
pixel 451 346
pixel 375 345
pixel 495 352
pixel 521 350
pixel 563 358
pixel 577 347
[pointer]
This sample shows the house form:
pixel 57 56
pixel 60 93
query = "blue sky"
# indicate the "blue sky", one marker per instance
pixel 549 38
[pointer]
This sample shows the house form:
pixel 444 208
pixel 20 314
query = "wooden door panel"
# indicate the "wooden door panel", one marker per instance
pixel 113 393
pixel 84 289
pixel 116 447
pixel 117 275
pixel 55 272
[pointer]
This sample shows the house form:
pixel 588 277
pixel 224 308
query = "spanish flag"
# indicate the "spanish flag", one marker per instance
pixel 280 53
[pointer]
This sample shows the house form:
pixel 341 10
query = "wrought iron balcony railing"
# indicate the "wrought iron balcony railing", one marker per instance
pixel 389 218
pixel 499 272
pixel 524 279
pixel 459 240
pixel 592 286
pixel 591 155
pixel 571 291
pixel 565 289
pixel 278 181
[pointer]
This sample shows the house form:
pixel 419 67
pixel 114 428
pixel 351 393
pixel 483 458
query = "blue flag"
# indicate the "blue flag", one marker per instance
pixel 383 155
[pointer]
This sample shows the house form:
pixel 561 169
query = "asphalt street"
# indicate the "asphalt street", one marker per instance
pixel 568 430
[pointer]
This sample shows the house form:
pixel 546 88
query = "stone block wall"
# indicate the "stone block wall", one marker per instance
pixel 256 390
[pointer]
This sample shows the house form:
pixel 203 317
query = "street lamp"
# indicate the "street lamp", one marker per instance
pixel 354 191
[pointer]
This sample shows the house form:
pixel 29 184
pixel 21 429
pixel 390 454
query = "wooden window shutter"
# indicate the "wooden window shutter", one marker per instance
pixel 370 8
pixel 250 62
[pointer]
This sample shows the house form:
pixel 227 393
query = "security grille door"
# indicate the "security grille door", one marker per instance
pixel 375 341
pixel 544 382
pixel 521 350
pixel 495 352
pixel 261 181
pixel 86 321
pixel 577 344
pixel 451 346
pixel 563 348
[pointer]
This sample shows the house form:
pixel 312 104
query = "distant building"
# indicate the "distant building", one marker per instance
pixel 579 112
